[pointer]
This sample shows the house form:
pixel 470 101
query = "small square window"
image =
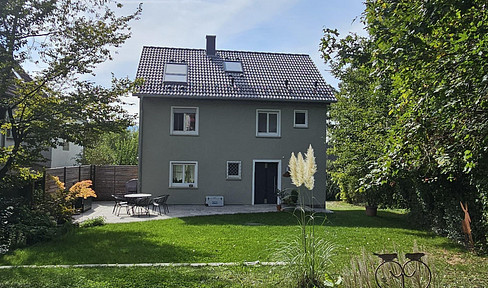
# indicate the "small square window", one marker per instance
pixel 184 121
pixel 234 170
pixel 301 119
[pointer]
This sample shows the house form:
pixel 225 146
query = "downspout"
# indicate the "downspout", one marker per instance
pixel 139 150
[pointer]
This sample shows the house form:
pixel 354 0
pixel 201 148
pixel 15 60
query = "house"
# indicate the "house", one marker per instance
pixel 224 123
pixel 60 156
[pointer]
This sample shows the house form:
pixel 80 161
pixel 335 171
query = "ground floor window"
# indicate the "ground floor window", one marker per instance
pixel 183 174
pixel 233 170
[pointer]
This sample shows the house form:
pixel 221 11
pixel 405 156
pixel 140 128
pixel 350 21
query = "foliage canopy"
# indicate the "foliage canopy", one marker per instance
pixel 412 116
pixel 65 39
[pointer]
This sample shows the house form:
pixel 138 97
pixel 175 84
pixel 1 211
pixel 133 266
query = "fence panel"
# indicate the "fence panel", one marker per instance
pixel 107 179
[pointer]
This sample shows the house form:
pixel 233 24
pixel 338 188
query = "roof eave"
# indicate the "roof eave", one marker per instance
pixel 243 98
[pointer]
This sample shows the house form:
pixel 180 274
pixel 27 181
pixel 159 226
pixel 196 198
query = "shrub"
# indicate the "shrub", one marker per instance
pixel 33 218
pixel 55 204
pixel 92 222
pixel 21 225
pixel 81 189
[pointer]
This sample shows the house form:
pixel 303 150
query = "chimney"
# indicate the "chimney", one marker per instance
pixel 210 45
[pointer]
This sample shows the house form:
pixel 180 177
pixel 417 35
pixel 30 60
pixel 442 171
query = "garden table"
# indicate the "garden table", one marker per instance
pixel 139 200
pixel 137 195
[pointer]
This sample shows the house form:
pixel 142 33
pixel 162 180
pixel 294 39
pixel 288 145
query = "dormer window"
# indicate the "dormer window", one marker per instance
pixel 233 66
pixel 175 73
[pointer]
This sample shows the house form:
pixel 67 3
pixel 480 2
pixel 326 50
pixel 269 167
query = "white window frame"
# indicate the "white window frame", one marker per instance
pixel 183 185
pixel 278 123
pixel 234 177
pixel 175 73
pixel 197 121
pixel 299 125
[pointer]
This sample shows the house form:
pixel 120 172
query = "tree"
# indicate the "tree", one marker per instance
pixel 113 149
pixel 67 38
pixel 360 119
pixel 433 55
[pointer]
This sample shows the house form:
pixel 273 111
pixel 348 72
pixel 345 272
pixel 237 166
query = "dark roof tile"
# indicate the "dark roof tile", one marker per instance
pixel 264 76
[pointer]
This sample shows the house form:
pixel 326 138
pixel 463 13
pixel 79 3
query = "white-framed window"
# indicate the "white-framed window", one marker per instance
pixel 175 73
pixel 234 170
pixel 268 123
pixel 300 119
pixel 183 174
pixel 184 120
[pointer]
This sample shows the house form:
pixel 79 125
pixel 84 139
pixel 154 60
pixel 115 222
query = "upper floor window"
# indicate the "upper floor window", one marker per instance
pixel 175 73
pixel 268 123
pixel 301 119
pixel 184 120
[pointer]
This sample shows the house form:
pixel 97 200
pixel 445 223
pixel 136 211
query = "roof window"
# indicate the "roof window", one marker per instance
pixel 233 66
pixel 176 73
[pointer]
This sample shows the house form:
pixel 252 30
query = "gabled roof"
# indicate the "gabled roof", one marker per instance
pixel 265 76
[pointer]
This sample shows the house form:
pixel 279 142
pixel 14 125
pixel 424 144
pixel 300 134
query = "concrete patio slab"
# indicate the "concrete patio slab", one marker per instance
pixel 105 208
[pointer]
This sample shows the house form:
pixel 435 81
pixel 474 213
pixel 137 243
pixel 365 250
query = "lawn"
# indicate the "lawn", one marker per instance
pixel 228 238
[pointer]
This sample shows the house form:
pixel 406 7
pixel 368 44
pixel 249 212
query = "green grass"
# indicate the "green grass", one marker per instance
pixel 229 238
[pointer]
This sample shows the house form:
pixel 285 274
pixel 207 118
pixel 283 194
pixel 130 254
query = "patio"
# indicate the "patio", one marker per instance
pixel 104 209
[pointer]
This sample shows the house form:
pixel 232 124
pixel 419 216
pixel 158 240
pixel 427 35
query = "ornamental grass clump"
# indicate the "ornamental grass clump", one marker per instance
pixel 309 254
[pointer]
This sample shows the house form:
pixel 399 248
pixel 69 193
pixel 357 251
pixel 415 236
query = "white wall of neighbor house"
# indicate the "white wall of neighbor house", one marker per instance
pixel 65 155
pixel 227 131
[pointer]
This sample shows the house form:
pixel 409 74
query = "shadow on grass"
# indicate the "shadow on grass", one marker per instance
pixel 93 246
pixel 340 218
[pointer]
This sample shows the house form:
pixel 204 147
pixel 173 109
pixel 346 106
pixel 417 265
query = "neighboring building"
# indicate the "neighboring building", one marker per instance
pixel 63 155
pixel 215 122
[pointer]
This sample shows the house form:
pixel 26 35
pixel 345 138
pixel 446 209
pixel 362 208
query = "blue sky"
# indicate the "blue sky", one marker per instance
pixel 289 26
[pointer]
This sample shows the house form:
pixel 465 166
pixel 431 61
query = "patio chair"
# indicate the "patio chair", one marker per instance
pixel 131 186
pixel 142 204
pixel 120 202
pixel 161 201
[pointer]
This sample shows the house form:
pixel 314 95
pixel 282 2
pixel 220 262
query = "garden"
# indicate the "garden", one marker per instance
pixel 234 238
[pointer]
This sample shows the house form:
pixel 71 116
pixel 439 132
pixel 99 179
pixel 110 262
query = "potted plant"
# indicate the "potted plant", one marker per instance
pixel 290 199
pixel 281 194
pixel 82 195
pixel 371 196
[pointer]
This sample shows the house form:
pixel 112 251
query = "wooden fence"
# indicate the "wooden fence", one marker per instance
pixel 107 180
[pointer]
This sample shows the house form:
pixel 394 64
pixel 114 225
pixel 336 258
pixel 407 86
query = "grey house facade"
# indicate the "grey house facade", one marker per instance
pixel 224 123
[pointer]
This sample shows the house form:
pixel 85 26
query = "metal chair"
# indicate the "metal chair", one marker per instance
pixel 143 205
pixel 161 201
pixel 131 186
pixel 120 202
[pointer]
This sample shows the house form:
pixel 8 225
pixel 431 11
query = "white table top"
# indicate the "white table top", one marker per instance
pixel 137 195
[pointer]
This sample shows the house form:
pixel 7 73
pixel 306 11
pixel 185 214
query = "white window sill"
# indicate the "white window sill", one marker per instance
pixel 184 186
